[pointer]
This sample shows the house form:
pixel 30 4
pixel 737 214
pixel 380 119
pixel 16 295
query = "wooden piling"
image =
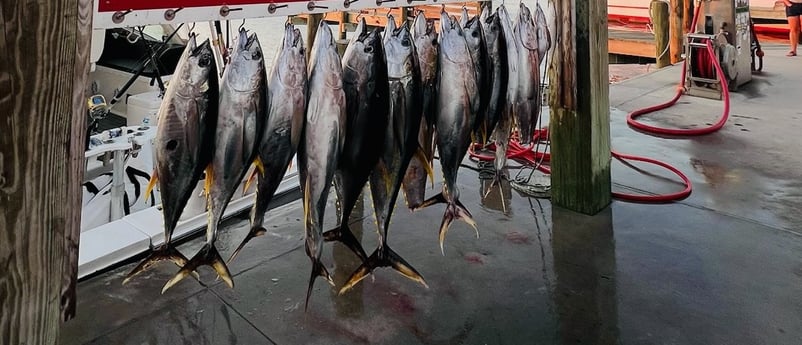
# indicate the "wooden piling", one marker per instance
pixel 580 107
pixel 43 74
pixel 660 19
pixel 687 15
pixel 676 30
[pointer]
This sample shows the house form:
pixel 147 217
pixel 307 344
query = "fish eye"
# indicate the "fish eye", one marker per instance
pixel 257 54
pixel 205 60
pixel 369 49
pixel 405 42
pixel 434 42
pixel 474 34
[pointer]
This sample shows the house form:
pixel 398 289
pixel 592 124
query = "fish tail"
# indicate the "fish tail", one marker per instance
pixel 344 235
pixel 454 211
pixel 318 270
pixel 151 183
pixel 207 256
pixel 254 232
pixel 384 256
pixel 437 199
pixel 164 253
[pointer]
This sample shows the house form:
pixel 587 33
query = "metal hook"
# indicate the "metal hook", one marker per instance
pixel 347 4
pixel 192 28
pixel 311 6
pixel 242 26
pixel 118 16
pixel 273 7
pixel 389 10
pixel 225 10
pixel 170 14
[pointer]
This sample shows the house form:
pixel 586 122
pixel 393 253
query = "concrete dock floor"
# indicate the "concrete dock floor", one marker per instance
pixel 723 266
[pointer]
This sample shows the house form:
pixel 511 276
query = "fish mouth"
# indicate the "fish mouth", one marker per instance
pixel 251 40
pixel 446 22
pixel 491 18
pixel 292 35
pixel 429 27
pixel 203 47
pixel 364 34
pixel 193 43
pixel 471 22
pixel 297 39
pixel 368 36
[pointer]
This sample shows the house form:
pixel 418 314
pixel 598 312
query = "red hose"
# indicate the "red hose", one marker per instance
pixel 527 156
pixel 686 132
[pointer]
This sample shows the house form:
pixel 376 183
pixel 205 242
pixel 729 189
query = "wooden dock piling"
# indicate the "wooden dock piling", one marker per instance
pixel 580 111
pixel 676 30
pixel 43 115
pixel 660 18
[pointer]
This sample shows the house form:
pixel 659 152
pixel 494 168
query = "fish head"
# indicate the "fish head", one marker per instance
pixel 452 40
pixel 423 30
pixel 400 53
pixel 473 33
pixel 361 27
pixel 419 25
pixel 361 54
pixel 523 11
pixel 324 38
pixel 201 65
pixel 390 27
pixel 291 61
pixel 526 27
pixel 491 26
pixel 484 14
pixel 247 63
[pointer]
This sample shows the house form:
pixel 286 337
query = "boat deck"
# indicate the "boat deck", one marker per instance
pixel 723 266
pixel 631 42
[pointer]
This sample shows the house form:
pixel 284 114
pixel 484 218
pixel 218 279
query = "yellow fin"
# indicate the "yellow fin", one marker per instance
pixel 422 156
pixel 306 201
pixel 259 166
pixel 249 181
pixel 207 183
pixel 152 183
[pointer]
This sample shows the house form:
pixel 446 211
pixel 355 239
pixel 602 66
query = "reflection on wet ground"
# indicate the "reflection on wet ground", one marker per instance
pixel 721 267
pixel 537 274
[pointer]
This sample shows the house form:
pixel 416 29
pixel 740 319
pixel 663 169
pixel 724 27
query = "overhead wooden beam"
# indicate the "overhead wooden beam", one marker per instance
pixel 580 111
pixel 43 72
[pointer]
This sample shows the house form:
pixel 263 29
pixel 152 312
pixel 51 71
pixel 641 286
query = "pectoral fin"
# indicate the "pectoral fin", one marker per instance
pixel 152 183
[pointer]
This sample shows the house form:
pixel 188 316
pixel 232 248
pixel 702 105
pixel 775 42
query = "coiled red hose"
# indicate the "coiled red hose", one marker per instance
pixel 527 156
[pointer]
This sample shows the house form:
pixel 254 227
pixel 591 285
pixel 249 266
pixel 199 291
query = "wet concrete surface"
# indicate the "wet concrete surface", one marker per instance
pixel 721 267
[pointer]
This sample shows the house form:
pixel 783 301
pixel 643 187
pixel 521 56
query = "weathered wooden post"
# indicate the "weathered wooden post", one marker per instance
pixel 580 110
pixel 687 15
pixel 660 17
pixel 676 31
pixel 43 74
